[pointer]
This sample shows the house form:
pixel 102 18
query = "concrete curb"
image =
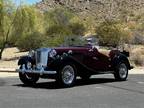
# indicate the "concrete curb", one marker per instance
pixel 139 70
pixel 11 70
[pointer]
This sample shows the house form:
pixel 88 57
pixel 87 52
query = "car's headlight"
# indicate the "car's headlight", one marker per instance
pixel 52 53
pixel 31 53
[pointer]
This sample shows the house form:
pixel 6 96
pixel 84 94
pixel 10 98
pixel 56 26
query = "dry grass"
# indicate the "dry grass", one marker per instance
pixel 137 55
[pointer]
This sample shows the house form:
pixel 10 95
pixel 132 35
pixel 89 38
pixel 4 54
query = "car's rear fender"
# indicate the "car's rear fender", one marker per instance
pixel 120 58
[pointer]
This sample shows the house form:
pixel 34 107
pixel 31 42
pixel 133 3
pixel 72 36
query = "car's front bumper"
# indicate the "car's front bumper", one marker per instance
pixel 36 71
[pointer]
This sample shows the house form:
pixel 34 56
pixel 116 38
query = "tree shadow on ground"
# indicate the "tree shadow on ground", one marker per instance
pixel 79 82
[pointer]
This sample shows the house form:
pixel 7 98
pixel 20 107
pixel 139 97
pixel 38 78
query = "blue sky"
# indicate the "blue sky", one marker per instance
pixel 26 1
pixel 32 1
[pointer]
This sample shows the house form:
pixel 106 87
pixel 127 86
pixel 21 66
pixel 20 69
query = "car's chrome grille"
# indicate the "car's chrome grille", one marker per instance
pixel 38 57
pixel 42 57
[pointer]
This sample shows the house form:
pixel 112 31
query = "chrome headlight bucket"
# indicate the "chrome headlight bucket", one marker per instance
pixel 31 53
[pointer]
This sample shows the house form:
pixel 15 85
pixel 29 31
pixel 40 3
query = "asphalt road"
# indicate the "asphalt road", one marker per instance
pixel 100 92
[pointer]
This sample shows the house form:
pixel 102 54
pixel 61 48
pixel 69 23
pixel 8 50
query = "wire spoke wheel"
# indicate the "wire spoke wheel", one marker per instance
pixel 28 78
pixel 121 72
pixel 68 74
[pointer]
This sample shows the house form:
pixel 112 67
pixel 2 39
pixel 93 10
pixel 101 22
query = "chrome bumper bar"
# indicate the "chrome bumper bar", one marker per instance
pixel 36 71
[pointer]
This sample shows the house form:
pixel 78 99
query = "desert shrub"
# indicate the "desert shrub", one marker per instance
pixel 61 23
pixel 58 16
pixel 138 60
pixel 111 33
pixel 77 28
pixel 138 39
pixel 55 35
pixel 53 41
pixel 74 41
pixel 58 24
pixel 56 30
pixel 1 42
pixel 137 56
pixel 30 41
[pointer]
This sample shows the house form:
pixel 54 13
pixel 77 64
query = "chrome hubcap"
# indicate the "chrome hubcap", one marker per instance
pixel 68 74
pixel 123 71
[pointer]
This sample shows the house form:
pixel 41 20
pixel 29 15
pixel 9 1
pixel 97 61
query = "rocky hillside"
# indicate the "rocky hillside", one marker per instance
pixel 97 8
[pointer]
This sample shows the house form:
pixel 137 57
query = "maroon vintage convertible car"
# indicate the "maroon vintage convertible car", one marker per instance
pixel 66 63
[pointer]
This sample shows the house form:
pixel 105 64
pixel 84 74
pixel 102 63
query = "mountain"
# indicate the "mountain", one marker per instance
pixel 101 9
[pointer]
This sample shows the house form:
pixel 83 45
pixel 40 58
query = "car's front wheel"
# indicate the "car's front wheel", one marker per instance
pixel 28 79
pixel 121 72
pixel 67 75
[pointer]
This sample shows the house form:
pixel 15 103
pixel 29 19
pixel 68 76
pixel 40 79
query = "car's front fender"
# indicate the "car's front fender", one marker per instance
pixel 24 60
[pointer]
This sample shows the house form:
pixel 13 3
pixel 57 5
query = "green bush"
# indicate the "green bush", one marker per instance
pixel 1 43
pixel 58 24
pixel 77 29
pixel 56 34
pixel 111 33
pixel 30 41
pixel 53 41
pixel 61 23
pixel 74 41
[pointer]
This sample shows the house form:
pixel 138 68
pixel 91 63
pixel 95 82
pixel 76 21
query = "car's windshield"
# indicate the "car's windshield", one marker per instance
pixel 80 41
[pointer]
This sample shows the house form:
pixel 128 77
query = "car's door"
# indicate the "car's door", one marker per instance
pixel 96 60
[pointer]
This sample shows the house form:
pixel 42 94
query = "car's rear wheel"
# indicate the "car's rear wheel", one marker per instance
pixel 67 76
pixel 28 79
pixel 121 72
